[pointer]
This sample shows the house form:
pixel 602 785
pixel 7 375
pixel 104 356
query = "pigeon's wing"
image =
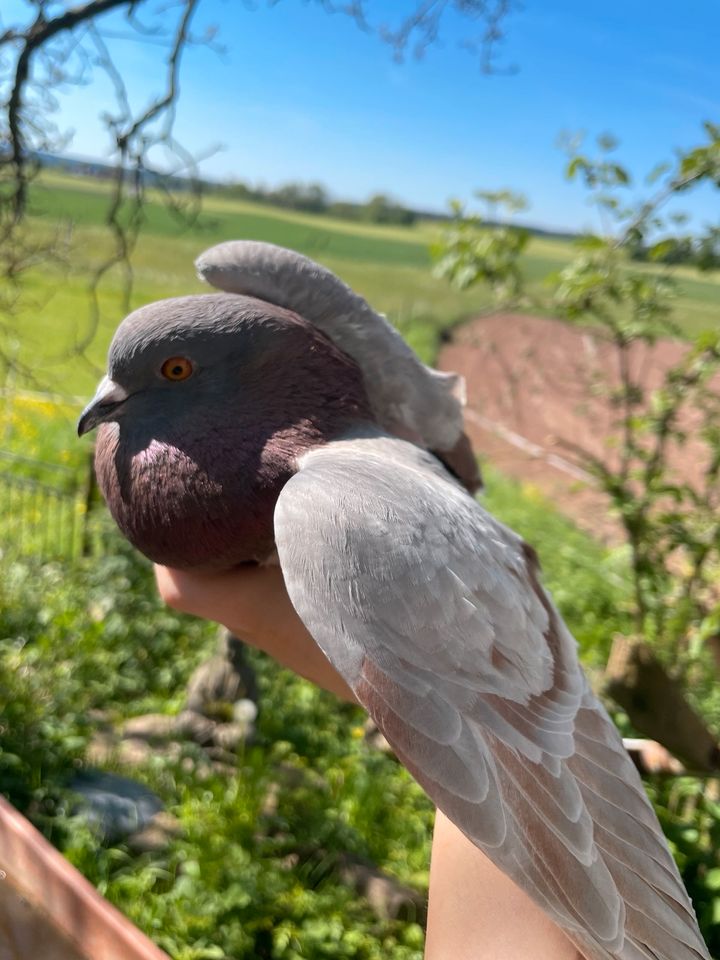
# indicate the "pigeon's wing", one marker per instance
pixel 432 612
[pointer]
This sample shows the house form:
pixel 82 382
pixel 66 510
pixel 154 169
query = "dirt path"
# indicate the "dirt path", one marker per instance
pixel 532 383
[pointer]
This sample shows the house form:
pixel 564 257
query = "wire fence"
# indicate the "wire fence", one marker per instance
pixel 49 511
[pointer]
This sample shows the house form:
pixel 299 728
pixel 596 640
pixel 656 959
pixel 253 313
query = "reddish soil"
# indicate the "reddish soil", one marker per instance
pixel 533 387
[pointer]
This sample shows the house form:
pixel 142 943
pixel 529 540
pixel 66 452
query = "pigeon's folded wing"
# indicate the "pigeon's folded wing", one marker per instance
pixel 432 612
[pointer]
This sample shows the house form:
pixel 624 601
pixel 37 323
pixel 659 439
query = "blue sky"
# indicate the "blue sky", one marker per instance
pixel 305 96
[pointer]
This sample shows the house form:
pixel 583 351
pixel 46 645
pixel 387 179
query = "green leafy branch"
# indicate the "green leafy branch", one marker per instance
pixel 670 523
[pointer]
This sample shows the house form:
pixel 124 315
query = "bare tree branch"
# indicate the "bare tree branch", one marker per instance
pixel 40 32
pixel 60 45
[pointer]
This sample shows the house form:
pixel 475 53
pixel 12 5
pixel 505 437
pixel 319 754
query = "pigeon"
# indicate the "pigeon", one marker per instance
pixel 284 420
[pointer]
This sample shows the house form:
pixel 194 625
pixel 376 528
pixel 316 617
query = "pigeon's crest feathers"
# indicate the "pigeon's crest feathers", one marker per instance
pixel 408 398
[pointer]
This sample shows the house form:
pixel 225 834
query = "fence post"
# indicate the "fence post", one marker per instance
pixel 90 492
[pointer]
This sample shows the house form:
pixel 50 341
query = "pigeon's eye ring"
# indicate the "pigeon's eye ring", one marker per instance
pixel 176 368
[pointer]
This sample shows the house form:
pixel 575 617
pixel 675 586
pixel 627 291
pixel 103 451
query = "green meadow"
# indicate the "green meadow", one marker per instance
pixel 390 266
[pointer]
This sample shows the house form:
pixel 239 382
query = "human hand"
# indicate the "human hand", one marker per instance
pixel 253 603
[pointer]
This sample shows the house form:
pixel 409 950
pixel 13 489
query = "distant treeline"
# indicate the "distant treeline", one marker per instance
pixel 308 197
pixel 701 252
pixel 314 198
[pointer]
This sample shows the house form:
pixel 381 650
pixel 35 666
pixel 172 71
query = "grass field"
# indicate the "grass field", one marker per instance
pixel 390 266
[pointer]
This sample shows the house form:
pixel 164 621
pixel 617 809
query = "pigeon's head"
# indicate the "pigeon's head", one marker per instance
pixel 207 404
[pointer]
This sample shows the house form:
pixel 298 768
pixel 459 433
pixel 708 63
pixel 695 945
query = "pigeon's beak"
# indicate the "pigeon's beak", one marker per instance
pixel 108 397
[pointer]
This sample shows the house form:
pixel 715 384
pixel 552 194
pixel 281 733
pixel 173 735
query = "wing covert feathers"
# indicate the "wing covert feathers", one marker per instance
pixel 433 613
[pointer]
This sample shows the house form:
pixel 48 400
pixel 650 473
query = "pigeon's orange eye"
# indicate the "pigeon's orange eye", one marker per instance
pixel 176 368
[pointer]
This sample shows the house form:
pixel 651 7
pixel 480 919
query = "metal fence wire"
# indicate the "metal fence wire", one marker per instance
pixel 49 511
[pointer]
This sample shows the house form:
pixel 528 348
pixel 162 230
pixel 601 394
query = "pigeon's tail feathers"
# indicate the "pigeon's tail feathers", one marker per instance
pixel 408 398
